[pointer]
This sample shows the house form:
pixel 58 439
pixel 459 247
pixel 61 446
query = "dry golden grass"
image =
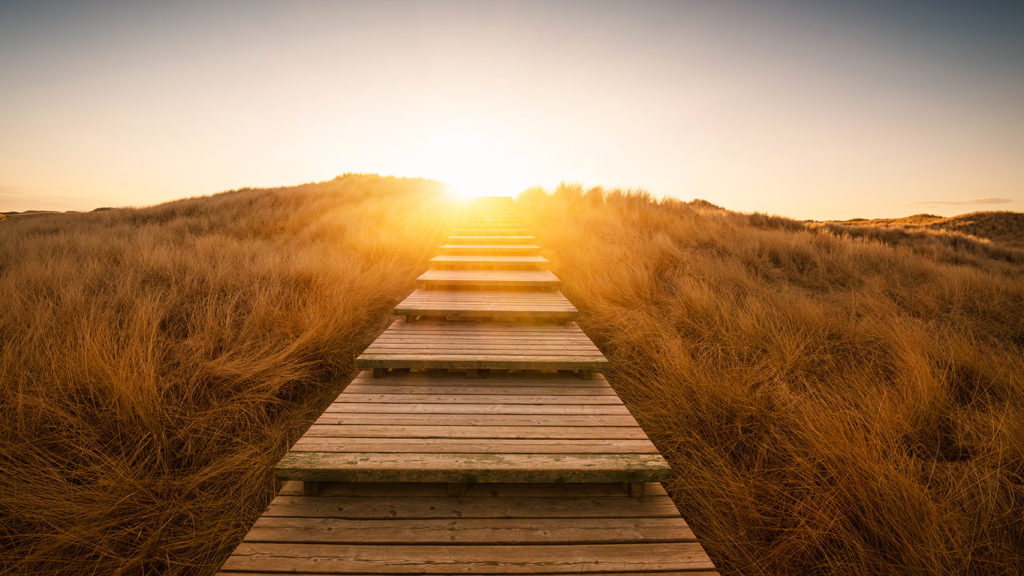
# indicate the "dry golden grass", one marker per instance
pixel 156 363
pixel 834 399
pixel 832 402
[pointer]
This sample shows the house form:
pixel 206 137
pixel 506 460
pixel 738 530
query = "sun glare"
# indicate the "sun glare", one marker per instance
pixel 474 164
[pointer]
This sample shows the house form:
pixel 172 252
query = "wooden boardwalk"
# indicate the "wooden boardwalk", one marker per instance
pixel 480 438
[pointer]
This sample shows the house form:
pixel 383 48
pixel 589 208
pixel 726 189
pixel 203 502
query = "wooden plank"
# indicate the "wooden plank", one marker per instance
pixel 660 573
pixel 498 239
pixel 481 559
pixel 470 468
pixel 487 345
pixel 495 330
pixel 548 305
pixel 489 261
pixel 499 380
pixel 491 218
pixel 477 398
pixel 343 430
pixel 501 420
pixel 542 494
pixel 498 328
pixel 534 299
pixel 472 446
pixel 479 362
pixel 494 279
pixel 564 420
pixel 495 249
pixel 417 408
pixel 492 231
pixel 469 530
pixel 472 388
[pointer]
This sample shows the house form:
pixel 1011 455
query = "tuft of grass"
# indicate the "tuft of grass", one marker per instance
pixel 156 363
pixel 832 400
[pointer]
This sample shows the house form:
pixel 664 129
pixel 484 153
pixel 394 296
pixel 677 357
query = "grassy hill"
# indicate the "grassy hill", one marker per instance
pixel 1006 228
pixel 156 363
pixel 835 398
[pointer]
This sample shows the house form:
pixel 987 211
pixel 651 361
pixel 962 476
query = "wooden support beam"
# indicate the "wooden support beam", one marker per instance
pixel 311 488
pixel 456 489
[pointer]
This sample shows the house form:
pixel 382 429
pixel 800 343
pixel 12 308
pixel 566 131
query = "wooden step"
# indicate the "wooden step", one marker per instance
pixel 492 249
pixel 495 305
pixel 493 231
pixel 482 261
pixel 491 239
pixel 489 279
pixel 363 437
pixel 492 223
pixel 482 345
pixel 499 529
pixel 469 468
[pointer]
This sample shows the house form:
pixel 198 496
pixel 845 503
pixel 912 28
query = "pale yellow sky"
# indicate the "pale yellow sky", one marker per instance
pixel 793 108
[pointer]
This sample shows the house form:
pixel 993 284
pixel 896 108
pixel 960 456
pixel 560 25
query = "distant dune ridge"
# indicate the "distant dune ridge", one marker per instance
pixel 834 397
pixel 999 226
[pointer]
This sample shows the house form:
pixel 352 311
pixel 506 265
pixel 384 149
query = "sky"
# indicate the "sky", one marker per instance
pixel 807 109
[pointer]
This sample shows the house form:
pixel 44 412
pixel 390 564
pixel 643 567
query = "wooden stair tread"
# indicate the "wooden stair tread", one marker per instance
pixel 508 262
pixel 492 249
pixel 492 231
pixel 495 279
pixel 483 345
pixel 375 431
pixel 493 304
pixel 470 467
pixel 491 239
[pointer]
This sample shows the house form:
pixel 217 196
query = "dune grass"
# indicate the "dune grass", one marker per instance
pixel 830 403
pixel 834 399
pixel 156 363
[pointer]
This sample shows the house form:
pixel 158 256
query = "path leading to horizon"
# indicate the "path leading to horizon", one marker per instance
pixel 480 438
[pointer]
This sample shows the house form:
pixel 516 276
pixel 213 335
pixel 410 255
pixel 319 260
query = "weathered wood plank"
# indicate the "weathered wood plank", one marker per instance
pixel 487 345
pixel 472 468
pixel 398 492
pixel 482 559
pixel 495 249
pixel 500 328
pixel 540 279
pixel 661 573
pixel 478 432
pixel 479 361
pixel 592 420
pixel 492 231
pixel 389 408
pixel 478 398
pixel 469 531
pixel 482 261
pixel 465 389
pixel 472 446
pixel 500 380
pixel 499 239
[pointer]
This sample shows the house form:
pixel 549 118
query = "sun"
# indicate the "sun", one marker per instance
pixel 473 163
